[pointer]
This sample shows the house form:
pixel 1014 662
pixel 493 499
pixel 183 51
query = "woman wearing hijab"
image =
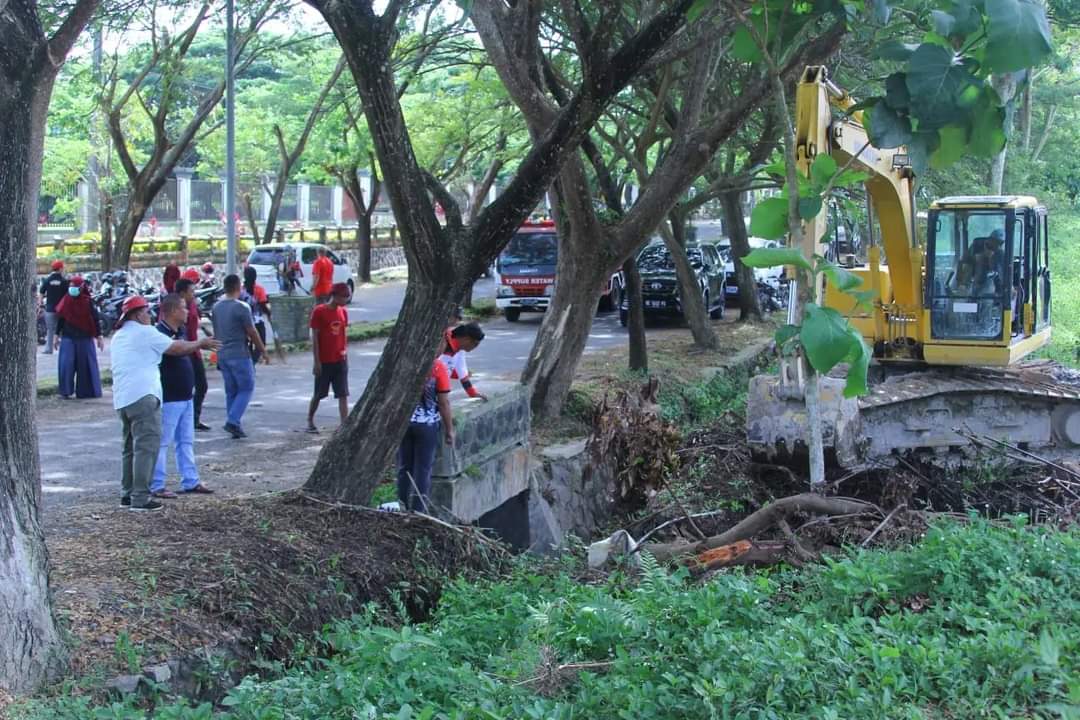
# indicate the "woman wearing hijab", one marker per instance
pixel 78 327
pixel 169 278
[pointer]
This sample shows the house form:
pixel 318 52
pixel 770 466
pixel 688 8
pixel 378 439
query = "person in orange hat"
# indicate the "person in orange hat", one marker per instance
pixel 53 289
pixel 136 352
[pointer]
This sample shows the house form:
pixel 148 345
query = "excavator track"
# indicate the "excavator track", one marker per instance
pixel 1034 406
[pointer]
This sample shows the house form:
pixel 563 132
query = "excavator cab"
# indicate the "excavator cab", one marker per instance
pixel 987 274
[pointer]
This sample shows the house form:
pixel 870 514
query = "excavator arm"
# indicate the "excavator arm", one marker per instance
pixel 897 288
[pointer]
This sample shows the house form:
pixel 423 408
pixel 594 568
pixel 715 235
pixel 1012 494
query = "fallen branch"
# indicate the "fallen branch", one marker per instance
pixel 742 553
pixel 981 440
pixel 884 522
pixel 763 519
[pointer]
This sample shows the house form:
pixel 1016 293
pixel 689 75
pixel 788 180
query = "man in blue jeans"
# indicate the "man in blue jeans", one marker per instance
pixel 234 329
pixel 177 406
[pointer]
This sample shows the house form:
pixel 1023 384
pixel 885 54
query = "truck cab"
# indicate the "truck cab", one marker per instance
pixel 525 272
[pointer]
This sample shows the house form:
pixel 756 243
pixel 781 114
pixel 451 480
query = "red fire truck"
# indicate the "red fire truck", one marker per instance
pixel 525 272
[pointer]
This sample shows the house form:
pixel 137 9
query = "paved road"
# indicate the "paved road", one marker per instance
pixel 80 445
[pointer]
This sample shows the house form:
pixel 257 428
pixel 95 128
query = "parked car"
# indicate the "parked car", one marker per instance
pixel 772 276
pixel 660 285
pixel 268 260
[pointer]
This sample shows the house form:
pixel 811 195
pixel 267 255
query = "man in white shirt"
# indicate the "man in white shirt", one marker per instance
pixel 136 352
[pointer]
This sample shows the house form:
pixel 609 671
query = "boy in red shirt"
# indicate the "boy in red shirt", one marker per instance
pixel 322 277
pixel 329 323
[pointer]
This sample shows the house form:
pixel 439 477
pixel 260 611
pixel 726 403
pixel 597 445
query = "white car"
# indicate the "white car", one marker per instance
pixel 268 259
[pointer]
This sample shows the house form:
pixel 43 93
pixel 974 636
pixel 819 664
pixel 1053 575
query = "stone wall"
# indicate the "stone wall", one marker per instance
pixel 292 314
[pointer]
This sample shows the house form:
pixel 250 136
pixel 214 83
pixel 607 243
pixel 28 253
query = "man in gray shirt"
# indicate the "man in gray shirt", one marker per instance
pixel 234 328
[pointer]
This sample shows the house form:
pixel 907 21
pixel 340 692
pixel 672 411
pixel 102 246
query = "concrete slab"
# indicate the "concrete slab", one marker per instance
pixel 484 486
pixel 485 429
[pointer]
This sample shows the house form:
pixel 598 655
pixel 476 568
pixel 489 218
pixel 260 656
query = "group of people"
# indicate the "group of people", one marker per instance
pixel 159 376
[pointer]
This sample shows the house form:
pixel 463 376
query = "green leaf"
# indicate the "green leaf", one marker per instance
pixel 886 128
pixel 895 50
pixel 776 257
pixel 967 18
pixel 822 170
pixel 399 652
pixel 697 10
pixel 769 219
pixel 809 207
pixel 921 146
pixel 858 360
pixel 953 142
pixel 784 335
pixel 838 277
pixel 935 81
pixel 744 47
pixel 987 130
pixel 943 22
pixel 1018 36
pixel 896 93
pixel 825 338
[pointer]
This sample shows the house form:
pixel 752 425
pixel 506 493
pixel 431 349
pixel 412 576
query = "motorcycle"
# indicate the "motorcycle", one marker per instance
pixel 206 297
pixel 772 297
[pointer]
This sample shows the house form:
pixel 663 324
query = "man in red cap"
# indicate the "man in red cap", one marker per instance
pixel 136 352
pixel 53 289
pixel 329 325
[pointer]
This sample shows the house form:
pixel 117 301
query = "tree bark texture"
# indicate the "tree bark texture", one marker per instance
pixel 635 320
pixel 30 647
pixel 442 260
pixel 749 306
pixel 691 294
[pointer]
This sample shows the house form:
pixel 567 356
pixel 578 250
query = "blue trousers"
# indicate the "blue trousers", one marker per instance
pixel 416 455
pixel 178 428
pixel 78 368
pixel 239 377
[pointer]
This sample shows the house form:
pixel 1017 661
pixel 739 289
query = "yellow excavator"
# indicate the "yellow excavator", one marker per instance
pixel 950 322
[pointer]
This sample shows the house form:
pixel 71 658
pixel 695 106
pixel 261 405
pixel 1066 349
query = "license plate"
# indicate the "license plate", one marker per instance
pixel 530 302
pixel 655 303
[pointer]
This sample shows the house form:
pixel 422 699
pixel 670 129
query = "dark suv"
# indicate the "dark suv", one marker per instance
pixel 660 284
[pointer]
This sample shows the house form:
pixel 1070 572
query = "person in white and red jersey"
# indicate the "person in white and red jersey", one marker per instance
pixel 458 341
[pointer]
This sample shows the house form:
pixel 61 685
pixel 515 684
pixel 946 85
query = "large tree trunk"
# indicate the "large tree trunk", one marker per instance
pixel 690 293
pixel 350 466
pixel 563 334
pixel 138 204
pixel 635 317
pixel 30 644
pixel 363 243
pixel 749 306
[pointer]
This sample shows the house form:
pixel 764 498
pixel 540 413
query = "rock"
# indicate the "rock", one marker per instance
pixel 107 639
pixel 159 673
pixel 615 546
pixel 123 685
pixel 545 533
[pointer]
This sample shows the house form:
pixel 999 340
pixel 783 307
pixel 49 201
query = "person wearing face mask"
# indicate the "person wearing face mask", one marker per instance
pixel 78 327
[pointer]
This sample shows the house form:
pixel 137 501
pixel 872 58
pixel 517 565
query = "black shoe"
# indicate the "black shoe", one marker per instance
pixel 150 505
pixel 235 431
pixel 201 426
pixel 125 502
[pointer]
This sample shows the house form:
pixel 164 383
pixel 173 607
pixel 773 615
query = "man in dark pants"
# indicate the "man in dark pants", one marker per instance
pixel 185 288
pixel 53 289
pixel 416 454
pixel 329 326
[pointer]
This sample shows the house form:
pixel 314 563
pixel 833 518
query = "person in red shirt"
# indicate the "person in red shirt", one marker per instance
pixel 416 454
pixel 329 323
pixel 185 288
pixel 322 277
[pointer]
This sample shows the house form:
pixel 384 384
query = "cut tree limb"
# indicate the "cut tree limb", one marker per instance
pixel 765 518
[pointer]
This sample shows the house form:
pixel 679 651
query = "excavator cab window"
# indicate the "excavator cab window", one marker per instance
pixel 969 253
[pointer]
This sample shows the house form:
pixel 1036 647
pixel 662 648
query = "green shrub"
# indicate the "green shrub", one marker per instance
pixel 976 621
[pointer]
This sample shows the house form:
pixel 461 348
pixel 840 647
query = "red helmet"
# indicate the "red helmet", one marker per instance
pixel 208 267
pixel 190 274
pixel 57 265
